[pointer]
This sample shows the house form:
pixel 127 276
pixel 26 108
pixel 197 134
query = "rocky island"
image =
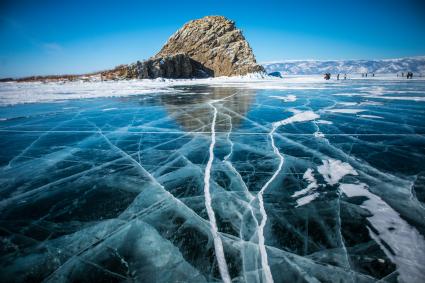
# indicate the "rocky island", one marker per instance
pixel 207 47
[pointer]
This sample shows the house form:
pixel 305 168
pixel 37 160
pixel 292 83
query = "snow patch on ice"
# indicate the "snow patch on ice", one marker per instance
pixel 371 116
pixel 303 116
pixel 334 170
pixel 408 98
pixel 375 90
pixel 325 122
pixel 407 244
pixel 42 92
pixel 346 111
pixel 288 98
pixel 370 103
pixel 308 176
pixel 306 199
pixel 348 103
pixel 319 134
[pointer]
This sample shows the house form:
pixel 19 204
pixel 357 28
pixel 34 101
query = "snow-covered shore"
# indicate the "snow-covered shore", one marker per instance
pixel 12 93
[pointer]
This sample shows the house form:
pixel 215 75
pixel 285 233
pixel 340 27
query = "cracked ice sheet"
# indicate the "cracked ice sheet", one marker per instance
pixel 113 187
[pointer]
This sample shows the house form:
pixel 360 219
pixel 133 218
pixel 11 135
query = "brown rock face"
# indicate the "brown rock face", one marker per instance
pixel 216 43
pixel 208 47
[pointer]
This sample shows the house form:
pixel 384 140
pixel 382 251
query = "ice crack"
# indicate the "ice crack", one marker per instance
pixel 261 241
pixel 218 244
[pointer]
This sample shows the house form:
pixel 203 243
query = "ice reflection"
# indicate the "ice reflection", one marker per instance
pixel 190 108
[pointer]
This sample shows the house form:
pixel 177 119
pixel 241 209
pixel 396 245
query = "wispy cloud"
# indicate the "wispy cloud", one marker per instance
pixel 51 47
pixel 22 32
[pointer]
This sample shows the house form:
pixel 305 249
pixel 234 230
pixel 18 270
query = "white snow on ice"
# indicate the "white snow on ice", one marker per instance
pixel 288 98
pixel 405 241
pixel 325 122
pixel 305 199
pixel 371 116
pixel 347 103
pixel 303 116
pixel 346 111
pixel 334 170
pixel 318 134
pixel 31 92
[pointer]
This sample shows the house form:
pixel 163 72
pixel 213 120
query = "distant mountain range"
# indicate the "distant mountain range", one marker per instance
pixel 311 67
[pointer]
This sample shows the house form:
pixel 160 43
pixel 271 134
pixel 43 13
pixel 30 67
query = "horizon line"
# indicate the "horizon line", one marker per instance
pixel 326 60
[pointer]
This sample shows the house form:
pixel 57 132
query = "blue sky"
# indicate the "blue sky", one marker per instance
pixel 58 37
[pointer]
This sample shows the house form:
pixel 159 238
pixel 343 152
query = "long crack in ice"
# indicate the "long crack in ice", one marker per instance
pixel 297 117
pixel 218 244
pixel 263 252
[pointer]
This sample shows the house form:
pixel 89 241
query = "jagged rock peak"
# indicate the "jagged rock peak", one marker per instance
pixel 216 43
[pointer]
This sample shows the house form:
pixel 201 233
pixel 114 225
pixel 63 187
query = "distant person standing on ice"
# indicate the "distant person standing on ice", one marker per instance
pixel 345 76
pixel 337 77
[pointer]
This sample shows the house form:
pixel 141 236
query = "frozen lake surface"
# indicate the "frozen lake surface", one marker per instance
pixel 242 180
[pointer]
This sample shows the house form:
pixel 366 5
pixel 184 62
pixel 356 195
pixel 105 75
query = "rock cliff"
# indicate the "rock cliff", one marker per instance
pixel 216 43
pixel 207 47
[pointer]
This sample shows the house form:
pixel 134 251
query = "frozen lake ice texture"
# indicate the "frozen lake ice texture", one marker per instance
pixel 242 180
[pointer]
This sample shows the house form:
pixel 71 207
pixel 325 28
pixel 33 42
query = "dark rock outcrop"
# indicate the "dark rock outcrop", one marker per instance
pixel 172 66
pixel 176 66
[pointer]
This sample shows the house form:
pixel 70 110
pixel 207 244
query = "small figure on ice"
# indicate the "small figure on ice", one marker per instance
pixel 327 76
